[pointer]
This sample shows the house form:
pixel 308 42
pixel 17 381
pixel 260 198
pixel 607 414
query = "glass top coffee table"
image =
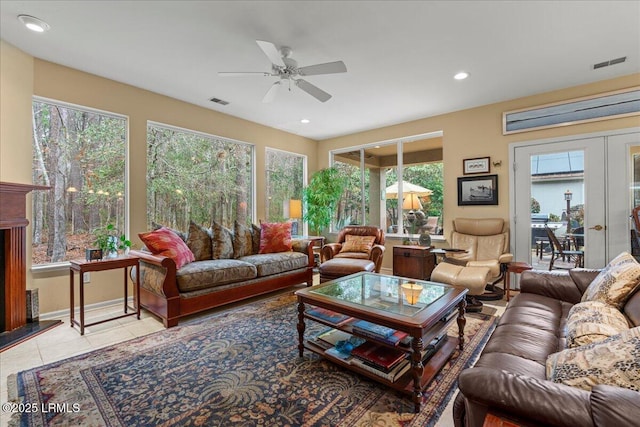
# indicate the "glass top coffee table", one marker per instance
pixel 416 310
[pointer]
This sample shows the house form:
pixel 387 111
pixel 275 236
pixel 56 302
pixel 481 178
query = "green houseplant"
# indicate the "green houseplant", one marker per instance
pixel 110 241
pixel 321 197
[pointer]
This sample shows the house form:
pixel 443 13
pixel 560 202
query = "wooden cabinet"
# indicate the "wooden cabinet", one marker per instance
pixel 416 262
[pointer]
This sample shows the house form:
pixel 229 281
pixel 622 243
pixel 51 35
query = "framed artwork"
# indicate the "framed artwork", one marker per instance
pixel 472 166
pixel 478 190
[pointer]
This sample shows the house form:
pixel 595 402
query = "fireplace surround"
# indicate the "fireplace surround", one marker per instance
pixel 13 266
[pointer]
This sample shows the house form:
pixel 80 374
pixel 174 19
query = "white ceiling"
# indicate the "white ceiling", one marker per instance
pixel 400 55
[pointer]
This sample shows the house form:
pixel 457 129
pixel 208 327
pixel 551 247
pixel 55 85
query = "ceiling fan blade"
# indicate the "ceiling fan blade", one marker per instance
pixel 243 73
pixel 327 68
pixel 312 90
pixel 272 53
pixel 271 93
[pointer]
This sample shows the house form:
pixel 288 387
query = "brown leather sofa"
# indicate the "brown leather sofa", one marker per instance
pixel 509 381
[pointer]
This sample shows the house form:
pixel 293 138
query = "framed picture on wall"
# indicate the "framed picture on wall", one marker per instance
pixel 472 166
pixel 478 190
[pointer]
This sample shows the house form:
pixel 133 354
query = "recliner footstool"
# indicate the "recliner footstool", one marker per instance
pixel 340 267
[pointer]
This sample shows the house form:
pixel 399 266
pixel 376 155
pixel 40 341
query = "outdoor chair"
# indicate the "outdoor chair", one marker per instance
pixel 558 251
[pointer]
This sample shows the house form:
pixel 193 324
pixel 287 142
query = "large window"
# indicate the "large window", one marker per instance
pixel 80 153
pixel 285 179
pixel 198 177
pixel 396 185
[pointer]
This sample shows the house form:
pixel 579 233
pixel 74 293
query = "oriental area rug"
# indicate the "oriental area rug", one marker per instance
pixel 238 367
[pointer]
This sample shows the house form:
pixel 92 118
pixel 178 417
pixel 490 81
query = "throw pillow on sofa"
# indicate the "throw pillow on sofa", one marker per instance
pixel 593 321
pixel 167 243
pixel 242 240
pixel 275 237
pixel 221 242
pixel 358 244
pixel 614 361
pixel 616 282
pixel 156 226
pixel 199 241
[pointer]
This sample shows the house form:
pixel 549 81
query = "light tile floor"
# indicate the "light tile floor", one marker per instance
pixel 63 341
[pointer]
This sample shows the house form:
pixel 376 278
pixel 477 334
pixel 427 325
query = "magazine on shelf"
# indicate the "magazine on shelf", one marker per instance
pixel 328 315
pixel 399 370
pixel 372 330
pixel 380 356
pixel 332 336
pixel 337 354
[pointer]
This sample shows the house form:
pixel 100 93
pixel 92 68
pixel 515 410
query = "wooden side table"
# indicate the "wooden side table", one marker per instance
pixel 515 267
pixel 81 266
pixel 416 262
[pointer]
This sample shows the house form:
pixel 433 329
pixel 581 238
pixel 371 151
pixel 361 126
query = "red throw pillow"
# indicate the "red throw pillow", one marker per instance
pixel 167 243
pixel 275 237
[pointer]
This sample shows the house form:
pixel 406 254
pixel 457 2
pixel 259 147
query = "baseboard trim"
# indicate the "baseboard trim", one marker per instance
pixel 95 306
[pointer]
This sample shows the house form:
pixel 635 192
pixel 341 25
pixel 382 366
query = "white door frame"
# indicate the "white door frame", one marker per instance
pixel 620 138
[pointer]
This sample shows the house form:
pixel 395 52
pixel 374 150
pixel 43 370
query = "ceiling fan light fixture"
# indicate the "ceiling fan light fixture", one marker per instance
pixel 34 24
pixel 461 75
pixel 305 121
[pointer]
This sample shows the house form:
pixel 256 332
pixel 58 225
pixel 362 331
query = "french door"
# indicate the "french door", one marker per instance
pixel 596 173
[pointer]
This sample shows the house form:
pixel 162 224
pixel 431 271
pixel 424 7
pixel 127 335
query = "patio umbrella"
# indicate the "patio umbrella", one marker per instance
pixel 407 188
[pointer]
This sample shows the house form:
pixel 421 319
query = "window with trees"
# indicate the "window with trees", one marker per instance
pixel 192 176
pixel 396 185
pixel 285 178
pixel 81 154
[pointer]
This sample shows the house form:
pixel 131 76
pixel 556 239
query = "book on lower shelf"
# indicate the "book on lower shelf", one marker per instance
pixel 399 370
pixel 372 330
pixel 379 356
pixel 328 315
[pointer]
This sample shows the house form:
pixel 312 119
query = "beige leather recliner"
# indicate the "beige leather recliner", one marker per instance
pixel 486 245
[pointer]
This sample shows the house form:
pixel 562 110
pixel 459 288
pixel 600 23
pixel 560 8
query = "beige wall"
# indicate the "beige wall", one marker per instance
pixel 470 133
pixel 477 132
pixel 16 88
pixel 24 76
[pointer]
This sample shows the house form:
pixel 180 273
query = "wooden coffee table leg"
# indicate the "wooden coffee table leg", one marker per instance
pixel 462 321
pixel 301 328
pixel 417 371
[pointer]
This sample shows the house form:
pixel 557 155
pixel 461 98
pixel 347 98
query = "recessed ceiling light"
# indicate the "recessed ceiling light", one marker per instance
pixel 461 75
pixel 33 23
pixel 305 121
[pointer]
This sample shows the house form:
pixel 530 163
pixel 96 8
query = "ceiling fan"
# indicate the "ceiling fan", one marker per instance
pixel 286 68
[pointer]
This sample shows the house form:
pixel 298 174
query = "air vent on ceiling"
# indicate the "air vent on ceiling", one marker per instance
pixel 219 101
pixel 610 62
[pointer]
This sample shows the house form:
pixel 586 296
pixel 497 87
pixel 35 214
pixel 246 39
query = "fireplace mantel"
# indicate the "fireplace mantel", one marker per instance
pixel 13 224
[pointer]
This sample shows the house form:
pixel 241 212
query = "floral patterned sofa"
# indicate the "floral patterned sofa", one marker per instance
pixel 185 273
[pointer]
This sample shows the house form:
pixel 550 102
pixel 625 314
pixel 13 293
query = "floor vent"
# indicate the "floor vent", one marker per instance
pixel 608 63
pixel 219 101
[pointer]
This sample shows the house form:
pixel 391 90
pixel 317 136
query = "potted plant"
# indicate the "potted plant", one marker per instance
pixel 321 197
pixel 110 241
